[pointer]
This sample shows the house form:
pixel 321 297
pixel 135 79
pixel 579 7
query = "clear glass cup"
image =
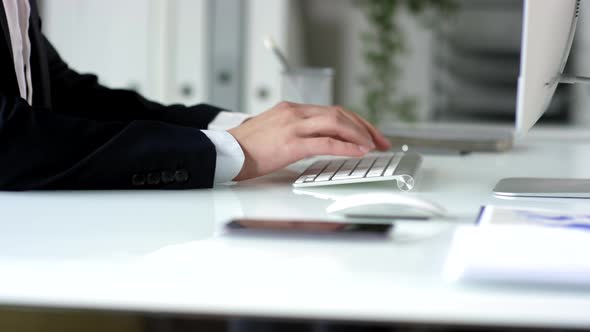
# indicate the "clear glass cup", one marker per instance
pixel 308 86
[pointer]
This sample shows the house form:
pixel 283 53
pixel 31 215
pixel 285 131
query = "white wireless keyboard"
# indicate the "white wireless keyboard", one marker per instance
pixel 400 167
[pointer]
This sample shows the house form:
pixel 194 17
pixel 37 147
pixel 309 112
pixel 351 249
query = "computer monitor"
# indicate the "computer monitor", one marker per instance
pixel 548 33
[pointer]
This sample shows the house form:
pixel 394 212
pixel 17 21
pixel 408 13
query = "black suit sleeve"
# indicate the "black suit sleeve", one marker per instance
pixel 99 138
pixel 41 149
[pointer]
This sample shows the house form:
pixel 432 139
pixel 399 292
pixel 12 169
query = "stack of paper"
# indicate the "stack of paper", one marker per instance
pixel 521 254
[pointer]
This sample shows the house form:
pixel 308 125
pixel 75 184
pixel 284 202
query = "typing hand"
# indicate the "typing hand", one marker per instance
pixel 290 132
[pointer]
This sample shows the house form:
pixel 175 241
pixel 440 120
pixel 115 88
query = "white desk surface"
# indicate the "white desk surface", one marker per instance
pixel 165 251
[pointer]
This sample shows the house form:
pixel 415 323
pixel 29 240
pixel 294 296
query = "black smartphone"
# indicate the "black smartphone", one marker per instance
pixel 304 227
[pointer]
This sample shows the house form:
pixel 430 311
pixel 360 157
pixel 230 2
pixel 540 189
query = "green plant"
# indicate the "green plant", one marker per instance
pixel 383 44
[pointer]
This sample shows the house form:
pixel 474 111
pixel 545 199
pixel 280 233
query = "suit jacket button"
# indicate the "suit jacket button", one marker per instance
pixel 167 177
pixel 138 180
pixel 153 179
pixel 181 175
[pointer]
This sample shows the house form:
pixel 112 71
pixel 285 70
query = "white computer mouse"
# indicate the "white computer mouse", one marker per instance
pixel 386 205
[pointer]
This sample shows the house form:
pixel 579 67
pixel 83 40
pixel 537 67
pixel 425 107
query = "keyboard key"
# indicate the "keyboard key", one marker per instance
pixel 309 178
pixel 305 179
pixel 312 171
pixel 363 168
pixel 346 169
pixel 393 165
pixel 329 171
pixel 379 167
pixel 317 167
pixel 382 167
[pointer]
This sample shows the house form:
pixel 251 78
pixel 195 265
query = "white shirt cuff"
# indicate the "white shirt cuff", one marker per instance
pixel 230 157
pixel 227 120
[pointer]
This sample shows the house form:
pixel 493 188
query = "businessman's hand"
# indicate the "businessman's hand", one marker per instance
pixel 290 132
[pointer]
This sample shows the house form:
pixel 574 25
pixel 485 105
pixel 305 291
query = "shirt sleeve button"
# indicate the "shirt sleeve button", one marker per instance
pixel 181 176
pixel 138 180
pixel 153 179
pixel 167 177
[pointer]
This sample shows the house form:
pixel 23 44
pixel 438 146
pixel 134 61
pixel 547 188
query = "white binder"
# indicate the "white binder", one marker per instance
pixel 189 38
pixel 109 37
pixel 283 22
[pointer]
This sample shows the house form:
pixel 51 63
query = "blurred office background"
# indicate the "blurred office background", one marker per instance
pixel 191 51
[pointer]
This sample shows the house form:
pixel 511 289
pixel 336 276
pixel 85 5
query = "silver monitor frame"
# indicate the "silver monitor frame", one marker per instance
pixel 548 24
pixel 549 27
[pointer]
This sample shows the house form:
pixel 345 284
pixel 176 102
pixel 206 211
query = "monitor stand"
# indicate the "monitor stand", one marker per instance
pixel 543 187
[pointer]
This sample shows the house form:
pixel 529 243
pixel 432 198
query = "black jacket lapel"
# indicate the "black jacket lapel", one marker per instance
pixel 4 25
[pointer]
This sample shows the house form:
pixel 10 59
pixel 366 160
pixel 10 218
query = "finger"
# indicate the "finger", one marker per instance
pixel 377 140
pixel 327 146
pixel 380 140
pixel 359 124
pixel 312 111
pixel 309 111
pixel 354 120
pixel 327 126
